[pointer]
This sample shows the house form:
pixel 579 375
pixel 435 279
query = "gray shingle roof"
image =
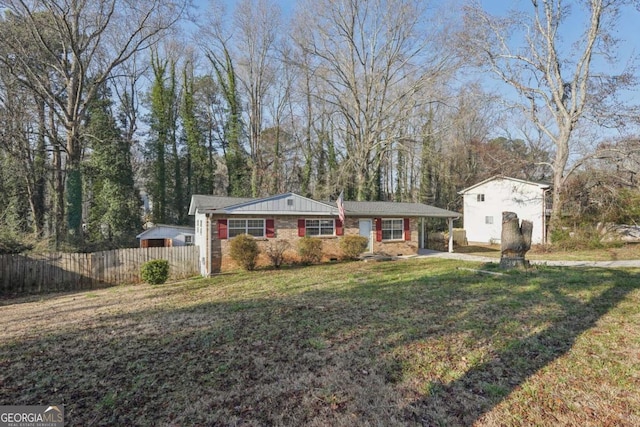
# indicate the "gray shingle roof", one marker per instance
pixel 397 208
pixel 206 202
pixel 371 209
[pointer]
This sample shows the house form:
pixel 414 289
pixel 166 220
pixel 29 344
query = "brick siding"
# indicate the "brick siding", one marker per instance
pixel 286 228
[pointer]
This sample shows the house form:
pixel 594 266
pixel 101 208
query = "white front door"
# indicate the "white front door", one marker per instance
pixel 365 231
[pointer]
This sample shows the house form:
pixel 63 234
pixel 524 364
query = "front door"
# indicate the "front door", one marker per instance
pixel 365 231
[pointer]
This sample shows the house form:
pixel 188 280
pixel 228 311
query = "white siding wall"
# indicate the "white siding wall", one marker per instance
pixel 200 240
pixel 181 239
pixel 162 232
pixel 526 200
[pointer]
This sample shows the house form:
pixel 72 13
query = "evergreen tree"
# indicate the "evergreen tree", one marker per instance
pixel 426 194
pixel 162 131
pixel 235 156
pixel 114 207
pixel 200 171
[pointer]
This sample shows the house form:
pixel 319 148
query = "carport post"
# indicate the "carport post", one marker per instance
pixel 450 221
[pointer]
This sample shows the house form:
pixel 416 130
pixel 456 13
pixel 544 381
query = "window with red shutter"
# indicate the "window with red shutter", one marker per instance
pixel 271 228
pixel 222 229
pixel 392 229
pixel 378 229
pixel 301 226
pixel 407 229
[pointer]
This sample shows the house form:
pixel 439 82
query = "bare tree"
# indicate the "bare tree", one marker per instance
pixel 84 42
pixel 23 152
pixel 257 25
pixel 561 84
pixel 375 59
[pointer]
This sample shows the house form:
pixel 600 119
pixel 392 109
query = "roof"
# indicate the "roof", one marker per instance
pixel 397 208
pixel 206 203
pixel 299 205
pixel 541 185
pixel 167 229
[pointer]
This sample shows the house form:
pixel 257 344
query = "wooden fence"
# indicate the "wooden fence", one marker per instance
pixel 57 271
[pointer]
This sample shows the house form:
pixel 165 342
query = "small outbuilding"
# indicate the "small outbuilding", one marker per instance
pixel 390 227
pixel 484 202
pixel 164 236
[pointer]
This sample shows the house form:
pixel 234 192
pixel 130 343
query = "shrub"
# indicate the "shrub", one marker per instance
pixel 583 237
pixel 245 251
pixel 276 250
pixel 310 250
pixel 155 272
pixel 352 246
pixel 11 244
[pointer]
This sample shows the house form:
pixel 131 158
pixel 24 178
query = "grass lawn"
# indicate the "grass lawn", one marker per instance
pixel 625 252
pixel 415 342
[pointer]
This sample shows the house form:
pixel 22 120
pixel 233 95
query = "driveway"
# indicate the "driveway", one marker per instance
pixel 465 257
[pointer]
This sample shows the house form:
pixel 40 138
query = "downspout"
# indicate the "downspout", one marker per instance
pixel 208 247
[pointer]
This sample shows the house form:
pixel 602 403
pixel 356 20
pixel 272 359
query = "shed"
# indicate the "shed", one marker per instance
pixel 162 235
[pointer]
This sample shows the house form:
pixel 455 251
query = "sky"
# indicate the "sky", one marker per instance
pixel 626 31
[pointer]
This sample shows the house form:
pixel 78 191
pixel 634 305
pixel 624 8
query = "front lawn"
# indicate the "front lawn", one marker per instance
pixel 414 342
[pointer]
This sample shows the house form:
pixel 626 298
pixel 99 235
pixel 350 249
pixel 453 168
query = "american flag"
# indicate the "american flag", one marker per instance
pixel 340 203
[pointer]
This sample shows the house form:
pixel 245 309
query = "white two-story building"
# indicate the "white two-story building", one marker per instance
pixel 484 203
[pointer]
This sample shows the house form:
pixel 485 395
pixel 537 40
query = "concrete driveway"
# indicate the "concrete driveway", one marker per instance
pixel 465 257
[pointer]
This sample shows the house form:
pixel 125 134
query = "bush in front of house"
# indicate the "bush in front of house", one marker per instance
pixel 245 251
pixel 155 272
pixel 275 251
pixel 310 250
pixel 352 246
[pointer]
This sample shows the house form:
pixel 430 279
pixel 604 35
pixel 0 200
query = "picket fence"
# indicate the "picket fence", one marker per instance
pixel 58 271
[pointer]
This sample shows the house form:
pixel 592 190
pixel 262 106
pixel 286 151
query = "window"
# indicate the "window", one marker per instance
pixel 289 202
pixel 480 197
pixel 392 229
pixel 188 240
pixel 199 227
pixel 252 227
pixel 319 227
pixel 488 220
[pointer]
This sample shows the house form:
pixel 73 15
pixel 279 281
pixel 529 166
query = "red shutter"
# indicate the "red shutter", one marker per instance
pixel 339 227
pixel 301 227
pixel 222 229
pixel 378 229
pixel 271 228
pixel 407 229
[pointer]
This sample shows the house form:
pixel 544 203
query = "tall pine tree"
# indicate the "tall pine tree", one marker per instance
pixel 114 203
pixel 200 170
pixel 162 132
pixel 235 155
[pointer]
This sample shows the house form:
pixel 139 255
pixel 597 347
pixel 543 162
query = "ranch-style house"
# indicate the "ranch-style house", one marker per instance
pixel 391 227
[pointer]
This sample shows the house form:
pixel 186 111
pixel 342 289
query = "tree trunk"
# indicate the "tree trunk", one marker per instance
pixel 515 241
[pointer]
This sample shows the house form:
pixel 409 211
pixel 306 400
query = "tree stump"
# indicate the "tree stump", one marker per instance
pixel 515 241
